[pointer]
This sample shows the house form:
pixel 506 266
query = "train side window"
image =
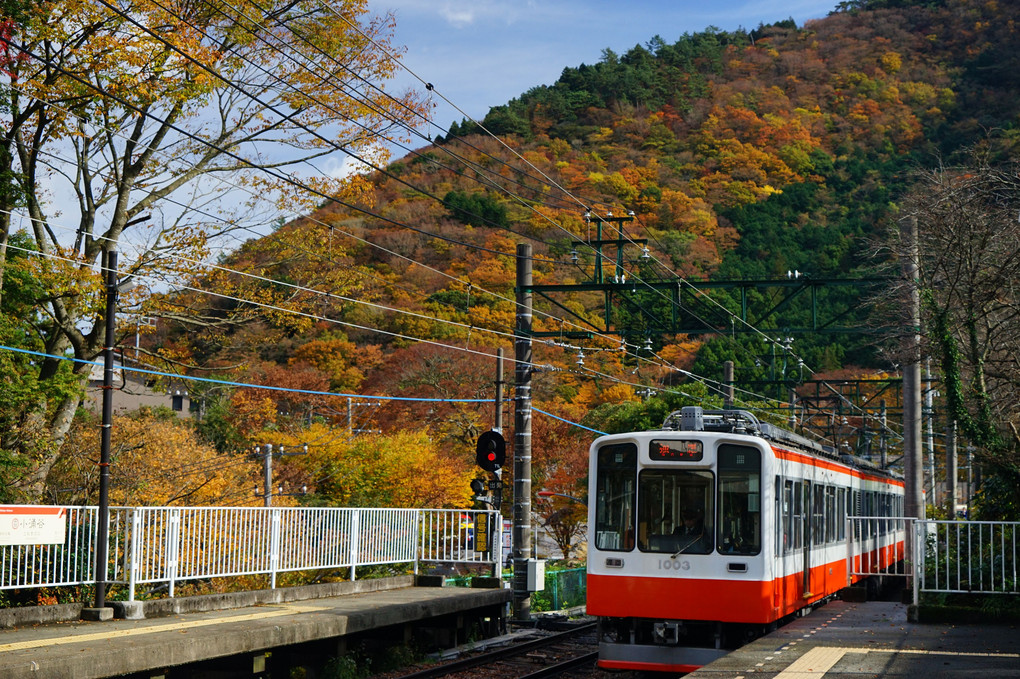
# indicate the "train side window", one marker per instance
pixel 818 515
pixel 830 514
pixel 869 510
pixel 615 495
pixel 788 502
pixel 856 511
pixel 880 511
pixel 841 514
pixel 739 499
pixel 798 514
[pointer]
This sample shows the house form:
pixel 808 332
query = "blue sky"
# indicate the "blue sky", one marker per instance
pixel 481 53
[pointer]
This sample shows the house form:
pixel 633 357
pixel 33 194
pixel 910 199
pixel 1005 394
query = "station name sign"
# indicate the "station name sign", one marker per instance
pixel 32 525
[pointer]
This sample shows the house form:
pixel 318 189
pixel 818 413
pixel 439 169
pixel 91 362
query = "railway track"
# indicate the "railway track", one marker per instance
pixel 571 653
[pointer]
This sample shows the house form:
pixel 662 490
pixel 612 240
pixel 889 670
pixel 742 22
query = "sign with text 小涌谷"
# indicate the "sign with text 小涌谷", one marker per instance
pixel 32 525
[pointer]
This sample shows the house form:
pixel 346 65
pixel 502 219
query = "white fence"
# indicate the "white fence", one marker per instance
pixel 968 556
pixel 952 557
pixel 172 544
pixel 150 545
pixel 877 544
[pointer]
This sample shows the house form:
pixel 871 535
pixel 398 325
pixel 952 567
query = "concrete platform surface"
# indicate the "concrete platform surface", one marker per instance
pixel 91 650
pixel 854 640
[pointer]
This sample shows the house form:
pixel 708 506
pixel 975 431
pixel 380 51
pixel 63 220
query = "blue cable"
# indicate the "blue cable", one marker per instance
pixel 287 389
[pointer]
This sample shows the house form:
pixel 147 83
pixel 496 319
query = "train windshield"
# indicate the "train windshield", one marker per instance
pixel 677 509
pixel 614 508
pixel 739 499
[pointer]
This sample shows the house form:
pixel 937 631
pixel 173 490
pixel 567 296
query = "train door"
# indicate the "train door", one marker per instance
pixel 807 542
pixel 789 553
pixel 782 544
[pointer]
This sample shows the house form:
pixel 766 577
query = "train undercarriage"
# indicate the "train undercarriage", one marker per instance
pixel 670 645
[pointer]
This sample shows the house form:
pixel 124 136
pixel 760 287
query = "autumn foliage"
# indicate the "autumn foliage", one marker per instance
pixel 741 155
pixel 156 460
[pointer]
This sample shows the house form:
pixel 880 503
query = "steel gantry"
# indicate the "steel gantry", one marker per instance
pixel 756 304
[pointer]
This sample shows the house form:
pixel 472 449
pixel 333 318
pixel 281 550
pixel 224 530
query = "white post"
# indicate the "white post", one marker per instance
pixel 355 532
pixel 173 539
pixel 132 553
pixel 420 536
pixel 274 546
pixel 918 564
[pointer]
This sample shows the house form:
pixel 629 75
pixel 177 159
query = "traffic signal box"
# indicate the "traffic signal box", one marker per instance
pixel 491 451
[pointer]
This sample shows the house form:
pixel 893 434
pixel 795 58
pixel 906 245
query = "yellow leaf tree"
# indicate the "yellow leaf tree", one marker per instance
pixel 156 460
pixel 403 469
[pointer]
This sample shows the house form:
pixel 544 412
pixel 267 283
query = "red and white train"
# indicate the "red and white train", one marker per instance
pixel 709 532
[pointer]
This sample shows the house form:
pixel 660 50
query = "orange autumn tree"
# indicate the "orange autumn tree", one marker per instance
pixel 560 466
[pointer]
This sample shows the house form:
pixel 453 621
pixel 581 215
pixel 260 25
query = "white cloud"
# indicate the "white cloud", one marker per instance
pixel 343 166
pixel 459 16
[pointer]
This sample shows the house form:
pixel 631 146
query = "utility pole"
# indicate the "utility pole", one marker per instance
pixel 522 436
pixel 913 469
pixel 929 415
pixel 970 479
pixel 267 470
pixel 792 421
pixel 883 442
pixel 952 470
pixel 498 419
pixel 496 534
pixel 727 384
pixel 103 537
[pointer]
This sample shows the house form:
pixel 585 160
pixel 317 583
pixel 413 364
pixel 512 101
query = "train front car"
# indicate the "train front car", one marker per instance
pixel 676 567
pixel 710 531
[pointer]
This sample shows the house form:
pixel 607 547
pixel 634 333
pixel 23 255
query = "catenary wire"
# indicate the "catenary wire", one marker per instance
pixel 314 392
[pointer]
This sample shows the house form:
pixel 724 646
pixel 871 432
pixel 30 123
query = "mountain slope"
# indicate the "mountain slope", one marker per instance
pixel 742 156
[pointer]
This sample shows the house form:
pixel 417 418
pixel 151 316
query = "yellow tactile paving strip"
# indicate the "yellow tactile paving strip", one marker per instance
pixel 153 629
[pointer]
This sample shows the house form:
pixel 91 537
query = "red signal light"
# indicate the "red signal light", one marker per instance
pixel 491 451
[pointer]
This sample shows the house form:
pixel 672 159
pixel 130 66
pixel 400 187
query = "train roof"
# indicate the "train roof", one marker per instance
pixel 695 418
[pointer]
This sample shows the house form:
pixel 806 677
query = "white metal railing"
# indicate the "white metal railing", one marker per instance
pixel 968 556
pixel 876 544
pixel 70 563
pixel 949 557
pixel 172 544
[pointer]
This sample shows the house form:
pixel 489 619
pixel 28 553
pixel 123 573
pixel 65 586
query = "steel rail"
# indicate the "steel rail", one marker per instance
pixel 499 654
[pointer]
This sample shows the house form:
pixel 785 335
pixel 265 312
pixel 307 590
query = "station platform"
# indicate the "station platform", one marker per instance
pixel 248 640
pixel 843 640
